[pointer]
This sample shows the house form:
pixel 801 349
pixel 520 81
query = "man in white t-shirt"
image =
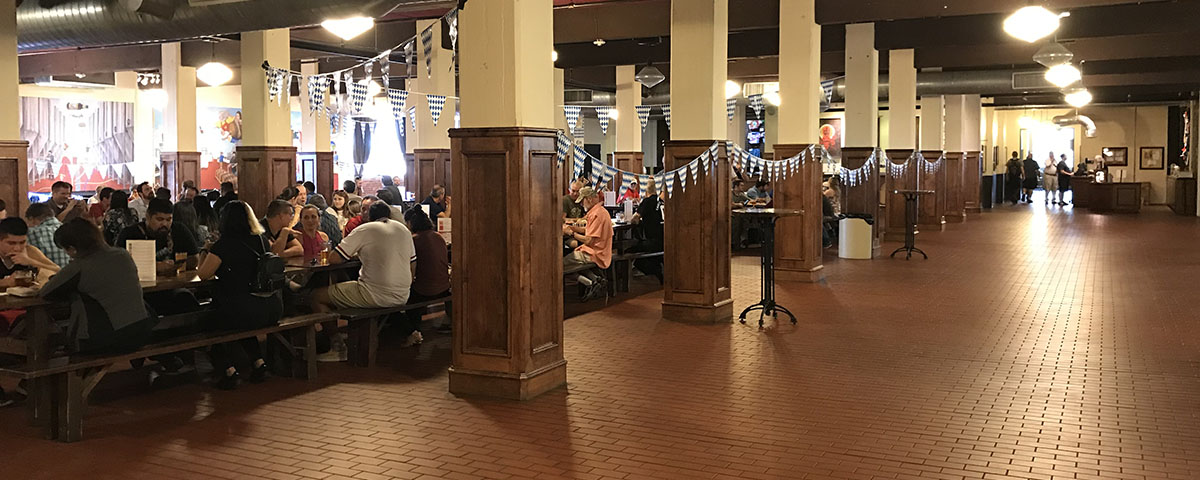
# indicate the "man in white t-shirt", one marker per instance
pixel 385 248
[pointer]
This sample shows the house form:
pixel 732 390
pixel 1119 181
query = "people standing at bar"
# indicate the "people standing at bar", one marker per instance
pixel 1064 178
pixel 1031 178
pixel 1014 174
pixel 1050 180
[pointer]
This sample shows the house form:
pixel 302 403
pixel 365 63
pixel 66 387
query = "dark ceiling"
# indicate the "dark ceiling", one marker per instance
pixel 1130 50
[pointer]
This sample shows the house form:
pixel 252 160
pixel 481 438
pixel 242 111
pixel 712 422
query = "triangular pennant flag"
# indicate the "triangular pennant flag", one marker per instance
pixel 562 146
pixel 683 178
pixel 730 108
pixel 272 87
pixel 412 116
pixel 756 102
pixel 602 115
pixel 624 187
pixel 643 113
pixel 704 160
pixel 285 87
pixel 609 172
pixel 712 152
pixel 398 99
pixel 658 182
pixel 669 178
pixel 643 185
pixel 597 170
pixel 578 132
pixel 572 113
pixel 436 104
pixel 667 114
pixel 427 48
pixel 694 167
pixel 358 96
pixel 580 158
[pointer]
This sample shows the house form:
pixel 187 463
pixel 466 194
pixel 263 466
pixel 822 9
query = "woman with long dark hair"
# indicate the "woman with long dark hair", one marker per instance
pixel 118 217
pixel 234 261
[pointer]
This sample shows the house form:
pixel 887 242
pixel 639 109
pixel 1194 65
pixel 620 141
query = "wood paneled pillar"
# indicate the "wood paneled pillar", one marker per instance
pixel 905 180
pixel 626 161
pixel 930 212
pixel 696 287
pixel 433 167
pixel 263 172
pixel 971 177
pixel 179 167
pixel 955 211
pixel 862 198
pixel 798 242
pixel 325 182
pixel 508 308
pixel 14 175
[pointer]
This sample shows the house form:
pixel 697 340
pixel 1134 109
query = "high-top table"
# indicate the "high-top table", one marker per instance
pixel 766 217
pixel 910 222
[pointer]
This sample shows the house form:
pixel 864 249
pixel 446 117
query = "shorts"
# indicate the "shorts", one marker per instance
pixel 1050 183
pixel 352 294
pixel 577 258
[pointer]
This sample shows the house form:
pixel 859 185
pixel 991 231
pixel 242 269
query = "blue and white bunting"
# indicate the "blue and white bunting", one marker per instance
pixel 578 132
pixel 705 160
pixel 730 108
pixel 562 147
pixel 273 85
pixel 572 113
pixel 658 182
pixel 398 99
pixel 412 116
pixel 597 171
pixel 609 172
pixel 580 158
pixel 712 152
pixel 667 114
pixel 643 182
pixel 669 178
pixel 316 96
pixel 436 104
pixel 756 102
pixel 643 113
pixel 683 178
pixel 694 167
pixel 624 186
pixel 358 96
pixel 602 115
pixel 427 48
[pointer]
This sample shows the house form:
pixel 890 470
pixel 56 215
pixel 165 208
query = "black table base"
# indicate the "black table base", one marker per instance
pixel 910 231
pixel 767 305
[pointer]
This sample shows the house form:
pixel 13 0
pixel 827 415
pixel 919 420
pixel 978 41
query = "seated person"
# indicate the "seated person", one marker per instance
pixel 361 217
pixel 650 221
pixel 42 225
pixel 439 203
pixel 17 255
pixel 329 222
pixel 277 224
pixel 312 239
pixel 760 192
pixel 595 240
pixel 739 196
pixel 385 248
pixel 107 312
pixel 571 208
pixel 431 271
pixel 169 238
pixel 234 261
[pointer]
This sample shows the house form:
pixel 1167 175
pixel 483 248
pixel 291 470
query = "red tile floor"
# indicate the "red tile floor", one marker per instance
pixel 1030 345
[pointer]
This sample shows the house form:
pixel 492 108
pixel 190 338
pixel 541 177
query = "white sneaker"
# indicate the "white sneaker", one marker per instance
pixel 413 339
pixel 337 352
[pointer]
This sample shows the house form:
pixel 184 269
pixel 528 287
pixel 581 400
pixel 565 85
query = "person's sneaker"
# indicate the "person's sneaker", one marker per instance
pixel 595 290
pixel 336 354
pixel 413 339
pixel 260 374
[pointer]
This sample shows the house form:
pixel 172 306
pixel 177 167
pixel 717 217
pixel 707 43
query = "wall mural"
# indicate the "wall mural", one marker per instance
pixel 87 143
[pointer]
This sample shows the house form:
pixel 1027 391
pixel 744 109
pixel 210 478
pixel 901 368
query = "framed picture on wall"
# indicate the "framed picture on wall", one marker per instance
pixel 1116 156
pixel 1150 158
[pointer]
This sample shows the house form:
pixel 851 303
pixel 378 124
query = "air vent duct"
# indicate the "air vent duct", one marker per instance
pixel 1089 127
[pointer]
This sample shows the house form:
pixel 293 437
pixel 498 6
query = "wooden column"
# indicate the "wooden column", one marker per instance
pixel 696 287
pixel 263 172
pixel 896 223
pixel 862 198
pixel 626 161
pixel 798 243
pixel 325 183
pixel 971 177
pixel 179 167
pixel 432 168
pixel 930 213
pixel 507 308
pixel 14 175
pixel 955 211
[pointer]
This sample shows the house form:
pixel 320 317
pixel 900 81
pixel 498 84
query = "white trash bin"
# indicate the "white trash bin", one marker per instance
pixel 854 238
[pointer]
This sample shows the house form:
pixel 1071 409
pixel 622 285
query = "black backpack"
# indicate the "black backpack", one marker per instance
pixel 268 272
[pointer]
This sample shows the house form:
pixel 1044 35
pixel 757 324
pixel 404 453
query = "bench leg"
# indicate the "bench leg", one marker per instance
pixel 68 413
pixel 41 401
pixel 310 354
pixel 364 342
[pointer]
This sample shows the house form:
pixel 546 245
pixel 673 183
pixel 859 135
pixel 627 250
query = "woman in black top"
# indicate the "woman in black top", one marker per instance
pixel 649 218
pixel 118 217
pixel 234 261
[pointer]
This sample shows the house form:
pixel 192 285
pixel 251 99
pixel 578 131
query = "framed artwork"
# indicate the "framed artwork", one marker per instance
pixel 1116 156
pixel 1150 158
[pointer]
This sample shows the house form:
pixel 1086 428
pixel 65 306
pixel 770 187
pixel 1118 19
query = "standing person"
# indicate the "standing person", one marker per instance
pixel 227 195
pixel 141 198
pixel 278 225
pixel 595 240
pixel 42 225
pixel 431 271
pixel 312 239
pixel 1050 180
pixel 169 237
pixel 385 248
pixel 118 217
pixel 439 203
pixel 1031 178
pixel 350 187
pixel 1064 178
pixel 65 208
pixel 104 200
pixel 101 282
pixel 234 261
pixel 390 186
pixel 1013 176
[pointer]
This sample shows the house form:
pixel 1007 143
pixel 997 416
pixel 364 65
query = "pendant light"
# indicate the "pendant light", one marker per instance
pixel 1031 23
pixel 214 73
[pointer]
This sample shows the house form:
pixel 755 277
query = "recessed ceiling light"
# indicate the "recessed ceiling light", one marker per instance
pixel 599 42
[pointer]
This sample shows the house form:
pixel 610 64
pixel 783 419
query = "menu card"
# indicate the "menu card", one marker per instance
pixel 425 208
pixel 143 252
pixel 443 225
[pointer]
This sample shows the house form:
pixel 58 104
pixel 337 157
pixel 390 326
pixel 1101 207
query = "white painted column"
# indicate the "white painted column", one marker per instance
pixel 799 72
pixel 265 122
pixel 629 96
pixel 438 80
pixel 699 44
pixel 955 122
pixel 10 97
pixel 862 86
pixel 933 111
pixel 179 115
pixel 972 116
pixel 902 100
pixel 506 86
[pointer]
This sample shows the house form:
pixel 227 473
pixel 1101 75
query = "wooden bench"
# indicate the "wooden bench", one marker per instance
pixel 365 323
pixel 623 266
pixel 71 379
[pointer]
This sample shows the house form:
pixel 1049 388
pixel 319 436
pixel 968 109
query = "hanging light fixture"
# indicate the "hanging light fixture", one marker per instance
pixel 649 76
pixel 348 28
pixel 1053 54
pixel 1063 75
pixel 1078 97
pixel 1031 23
pixel 214 73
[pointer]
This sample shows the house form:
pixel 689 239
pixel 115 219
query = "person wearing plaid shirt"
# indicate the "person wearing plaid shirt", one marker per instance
pixel 42 225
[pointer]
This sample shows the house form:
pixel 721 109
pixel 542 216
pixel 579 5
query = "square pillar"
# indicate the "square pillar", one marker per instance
pixel 971 143
pixel 798 242
pixel 266 159
pixel 508 336
pixel 862 87
pixel 931 211
pixel 626 161
pixel 697 281
pixel 179 167
pixel 431 166
pixel 10 97
pixel 263 172
pixel 902 135
pixel 955 150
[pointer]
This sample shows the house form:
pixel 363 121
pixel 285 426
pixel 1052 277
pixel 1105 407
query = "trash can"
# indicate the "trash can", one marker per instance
pixel 854 238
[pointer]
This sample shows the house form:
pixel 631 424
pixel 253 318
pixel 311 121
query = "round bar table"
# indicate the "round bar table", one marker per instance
pixel 766 218
pixel 910 222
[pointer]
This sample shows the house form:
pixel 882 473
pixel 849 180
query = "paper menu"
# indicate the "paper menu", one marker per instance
pixel 443 225
pixel 143 252
pixel 425 208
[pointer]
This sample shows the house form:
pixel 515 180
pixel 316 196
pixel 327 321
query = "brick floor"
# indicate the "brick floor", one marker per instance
pixel 1031 345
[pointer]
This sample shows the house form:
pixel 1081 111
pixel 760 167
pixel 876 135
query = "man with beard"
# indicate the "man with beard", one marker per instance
pixel 170 239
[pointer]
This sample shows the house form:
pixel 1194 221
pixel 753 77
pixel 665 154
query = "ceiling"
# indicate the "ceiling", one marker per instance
pixel 1130 50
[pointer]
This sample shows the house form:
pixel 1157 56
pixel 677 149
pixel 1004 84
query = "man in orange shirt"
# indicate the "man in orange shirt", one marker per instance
pixel 595 239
